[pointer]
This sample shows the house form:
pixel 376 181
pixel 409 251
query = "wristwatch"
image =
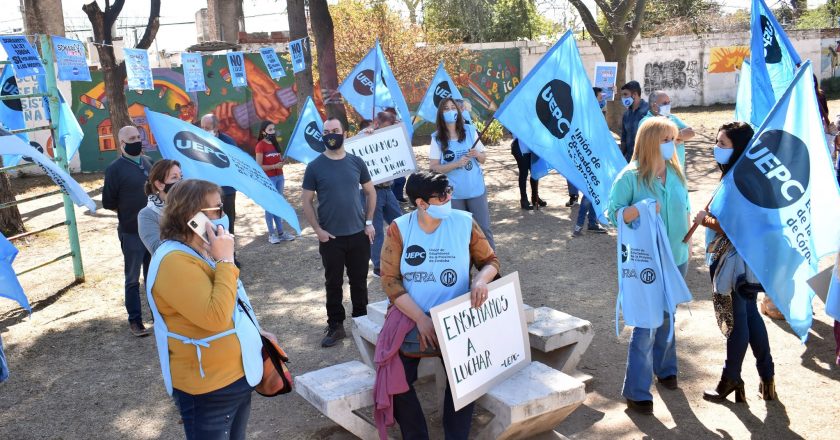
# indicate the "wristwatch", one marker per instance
pixel 368 222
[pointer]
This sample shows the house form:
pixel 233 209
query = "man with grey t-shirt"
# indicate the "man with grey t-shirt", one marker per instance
pixel 344 230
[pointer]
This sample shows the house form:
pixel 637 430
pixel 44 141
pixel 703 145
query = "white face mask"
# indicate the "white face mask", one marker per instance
pixel 440 212
pixel 665 110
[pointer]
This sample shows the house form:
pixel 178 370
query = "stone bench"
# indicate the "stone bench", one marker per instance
pixel 534 400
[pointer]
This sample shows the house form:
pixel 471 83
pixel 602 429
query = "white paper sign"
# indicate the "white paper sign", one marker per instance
pixel 482 347
pixel 387 153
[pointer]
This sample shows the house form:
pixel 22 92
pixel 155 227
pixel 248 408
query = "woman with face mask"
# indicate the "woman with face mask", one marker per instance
pixel 208 339
pixel 458 242
pixel 163 176
pixel 653 173
pixel 452 153
pixel 736 287
pixel 267 152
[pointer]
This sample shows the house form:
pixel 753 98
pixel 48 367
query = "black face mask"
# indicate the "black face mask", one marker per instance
pixel 270 137
pixel 133 148
pixel 333 141
pixel 168 186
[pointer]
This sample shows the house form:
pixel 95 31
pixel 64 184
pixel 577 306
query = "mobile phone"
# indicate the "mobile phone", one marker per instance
pixel 198 223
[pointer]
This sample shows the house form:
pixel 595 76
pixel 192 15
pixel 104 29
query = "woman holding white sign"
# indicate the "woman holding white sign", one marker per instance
pixel 452 153
pixel 653 173
pixel 425 262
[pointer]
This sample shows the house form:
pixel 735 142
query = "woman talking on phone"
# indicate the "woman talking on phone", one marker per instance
pixel 207 337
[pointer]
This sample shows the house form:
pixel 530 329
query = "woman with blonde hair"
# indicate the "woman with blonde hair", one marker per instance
pixel 654 172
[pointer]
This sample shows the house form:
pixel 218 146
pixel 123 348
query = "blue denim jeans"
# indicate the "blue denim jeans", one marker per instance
pixel 387 209
pixel 217 415
pixel 135 257
pixel 650 353
pixel 274 222
pixel 749 330
pixel 587 208
pixel 409 414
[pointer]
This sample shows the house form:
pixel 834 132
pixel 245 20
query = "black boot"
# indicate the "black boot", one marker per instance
pixel 767 389
pixel 535 194
pixel 526 205
pixel 725 387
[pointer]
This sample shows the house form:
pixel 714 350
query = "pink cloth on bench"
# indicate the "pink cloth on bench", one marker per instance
pixel 390 374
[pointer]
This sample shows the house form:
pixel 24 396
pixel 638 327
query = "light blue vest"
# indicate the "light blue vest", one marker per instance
pixel 246 330
pixel 649 282
pixel 467 181
pixel 436 267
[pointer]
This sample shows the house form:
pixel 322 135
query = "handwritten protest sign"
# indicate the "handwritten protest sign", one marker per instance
pixel 482 347
pixel 387 153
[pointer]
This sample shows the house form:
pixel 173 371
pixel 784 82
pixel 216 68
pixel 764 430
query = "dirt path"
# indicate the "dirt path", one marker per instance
pixel 78 373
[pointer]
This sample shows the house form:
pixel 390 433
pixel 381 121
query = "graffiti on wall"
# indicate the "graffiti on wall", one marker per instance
pixel 727 59
pixel 672 75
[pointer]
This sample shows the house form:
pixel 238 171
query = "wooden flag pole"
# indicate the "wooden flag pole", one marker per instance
pixel 690 232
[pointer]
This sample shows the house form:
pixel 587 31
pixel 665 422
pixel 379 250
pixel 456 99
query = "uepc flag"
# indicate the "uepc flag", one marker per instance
pixel 553 110
pixel 771 73
pixel 137 69
pixel 440 88
pixel 26 60
pixel 397 97
pixel 71 60
pixel 272 63
pixel 193 72
pixel 358 88
pixel 298 60
pixel 14 146
pixel 236 67
pixel 11 110
pixel 743 99
pixel 539 167
pixel 780 205
pixel 306 143
pixel 9 285
pixel 204 156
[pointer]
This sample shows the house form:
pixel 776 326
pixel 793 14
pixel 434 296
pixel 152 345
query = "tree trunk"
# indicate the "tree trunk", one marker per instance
pixel 298 30
pixel 615 109
pixel 11 222
pixel 322 26
pixel 43 17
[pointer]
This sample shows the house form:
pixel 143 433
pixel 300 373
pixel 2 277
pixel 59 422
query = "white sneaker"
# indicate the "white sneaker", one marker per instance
pixel 273 238
pixel 285 236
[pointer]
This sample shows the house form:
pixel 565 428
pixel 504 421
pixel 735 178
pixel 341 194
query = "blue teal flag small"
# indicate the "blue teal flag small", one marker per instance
pixel 204 156
pixel 11 111
pixel 440 88
pixel 138 71
pixel 306 144
pixel 9 285
pixel 69 129
pixel 554 112
pixel 743 99
pixel 771 73
pixel 780 204
pixel 358 88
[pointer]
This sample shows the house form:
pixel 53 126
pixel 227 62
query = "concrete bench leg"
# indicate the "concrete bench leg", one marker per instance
pixel 365 334
pixel 559 340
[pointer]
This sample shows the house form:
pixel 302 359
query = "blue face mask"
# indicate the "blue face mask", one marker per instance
pixel 722 155
pixel 602 103
pixel 450 116
pixel 224 222
pixel 627 101
pixel 440 212
pixel 667 149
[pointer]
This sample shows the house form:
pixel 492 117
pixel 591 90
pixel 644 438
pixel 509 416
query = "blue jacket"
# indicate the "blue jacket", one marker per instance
pixel 630 124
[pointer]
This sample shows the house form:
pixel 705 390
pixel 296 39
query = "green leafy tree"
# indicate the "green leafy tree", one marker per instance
pixel 477 21
pixel 680 17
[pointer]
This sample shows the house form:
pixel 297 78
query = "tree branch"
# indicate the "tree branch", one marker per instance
pixel 592 26
pixel 636 25
pixel 96 18
pixel 151 27
pixel 112 12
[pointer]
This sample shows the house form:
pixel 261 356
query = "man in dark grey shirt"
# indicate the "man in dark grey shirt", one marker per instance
pixel 344 230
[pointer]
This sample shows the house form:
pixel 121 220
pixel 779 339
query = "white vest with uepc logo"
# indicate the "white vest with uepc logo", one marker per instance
pixel 467 181
pixel 436 267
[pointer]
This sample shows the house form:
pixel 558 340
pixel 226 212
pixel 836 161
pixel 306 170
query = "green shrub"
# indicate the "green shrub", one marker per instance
pixel 493 134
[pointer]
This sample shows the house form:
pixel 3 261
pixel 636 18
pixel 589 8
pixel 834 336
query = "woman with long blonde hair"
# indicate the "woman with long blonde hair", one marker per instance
pixel 654 172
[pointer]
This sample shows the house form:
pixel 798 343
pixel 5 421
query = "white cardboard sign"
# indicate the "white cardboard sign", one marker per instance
pixel 387 153
pixel 482 347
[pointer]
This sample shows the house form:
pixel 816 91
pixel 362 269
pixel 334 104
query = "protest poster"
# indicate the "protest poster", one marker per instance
pixel 70 58
pixel 272 63
pixel 236 64
pixel 387 152
pixel 22 55
pixel 298 60
pixel 138 71
pixel 193 72
pixel 605 78
pixel 482 347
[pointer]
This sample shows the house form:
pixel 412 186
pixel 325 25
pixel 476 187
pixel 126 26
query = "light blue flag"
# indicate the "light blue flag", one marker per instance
pixel 358 88
pixel 236 67
pixel 9 285
pixel 193 72
pixel 440 88
pixel 26 60
pixel 772 72
pixel 11 111
pixel 306 143
pixel 298 60
pixel 272 63
pixel 832 302
pixel 70 59
pixel 69 129
pixel 204 156
pixel 780 205
pixel 396 93
pixel 13 145
pixel 137 69
pixel 554 111
pixel 743 99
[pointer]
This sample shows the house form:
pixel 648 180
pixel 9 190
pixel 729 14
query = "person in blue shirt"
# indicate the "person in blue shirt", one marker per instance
pixel 637 108
pixel 654 173
pixel 660 105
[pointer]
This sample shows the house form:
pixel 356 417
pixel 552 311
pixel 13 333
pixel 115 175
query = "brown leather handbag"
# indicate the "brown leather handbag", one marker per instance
pixel 277 379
